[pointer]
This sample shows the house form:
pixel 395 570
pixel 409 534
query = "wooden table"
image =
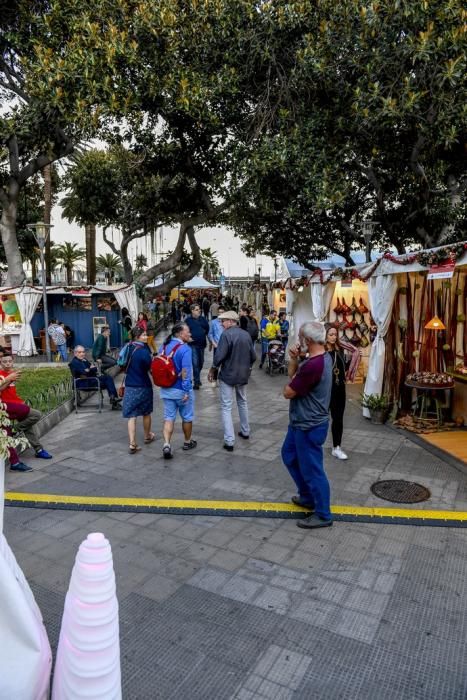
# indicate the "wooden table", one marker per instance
pixel 425 392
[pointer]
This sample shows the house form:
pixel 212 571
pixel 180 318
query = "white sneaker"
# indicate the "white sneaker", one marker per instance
pixel 337 452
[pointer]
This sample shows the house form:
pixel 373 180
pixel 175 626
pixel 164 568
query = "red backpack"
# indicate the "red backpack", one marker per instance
pixel 163 369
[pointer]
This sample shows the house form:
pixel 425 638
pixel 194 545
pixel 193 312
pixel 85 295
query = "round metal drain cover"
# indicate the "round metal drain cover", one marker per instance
pixel 399 491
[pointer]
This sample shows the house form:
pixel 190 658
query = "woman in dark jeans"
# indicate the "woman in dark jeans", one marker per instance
pixel 338 397
pixel 138 399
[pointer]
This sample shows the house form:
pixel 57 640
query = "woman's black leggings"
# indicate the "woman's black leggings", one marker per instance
pixel 337 409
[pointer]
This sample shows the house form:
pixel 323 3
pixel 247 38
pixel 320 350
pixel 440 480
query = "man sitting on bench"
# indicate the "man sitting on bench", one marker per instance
pixel 82 369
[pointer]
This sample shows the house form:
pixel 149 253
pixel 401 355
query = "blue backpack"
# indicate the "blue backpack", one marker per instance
pixel 124 355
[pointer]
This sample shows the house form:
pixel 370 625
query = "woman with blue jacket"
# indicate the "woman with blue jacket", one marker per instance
pixel 179 396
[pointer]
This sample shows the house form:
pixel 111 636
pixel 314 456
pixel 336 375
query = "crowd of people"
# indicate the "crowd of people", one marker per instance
pixel 319 366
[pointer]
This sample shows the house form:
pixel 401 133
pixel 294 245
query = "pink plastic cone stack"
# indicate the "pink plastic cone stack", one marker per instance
pixel 88 656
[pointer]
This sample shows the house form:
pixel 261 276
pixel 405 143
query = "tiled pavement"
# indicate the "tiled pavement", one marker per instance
pixel 244 608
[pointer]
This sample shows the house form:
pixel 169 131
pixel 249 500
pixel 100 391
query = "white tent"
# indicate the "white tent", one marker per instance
pixel 194 283
pixel 310 297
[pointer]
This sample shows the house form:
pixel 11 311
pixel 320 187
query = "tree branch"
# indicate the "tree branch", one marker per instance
pixel 110 243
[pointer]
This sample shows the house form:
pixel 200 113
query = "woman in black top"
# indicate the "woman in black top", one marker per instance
pixel 338 398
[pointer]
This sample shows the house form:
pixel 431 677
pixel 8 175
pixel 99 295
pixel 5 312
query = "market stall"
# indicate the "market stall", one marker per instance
pixel 387 308
pixel 84 309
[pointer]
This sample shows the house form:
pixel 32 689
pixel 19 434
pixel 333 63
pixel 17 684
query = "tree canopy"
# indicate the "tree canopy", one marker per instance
pixel 277 118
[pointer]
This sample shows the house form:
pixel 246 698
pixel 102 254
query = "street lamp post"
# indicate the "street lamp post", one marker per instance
pixel 368 228
pixel 41 232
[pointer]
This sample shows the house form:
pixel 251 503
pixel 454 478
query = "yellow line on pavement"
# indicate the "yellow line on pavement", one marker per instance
pixel 174 504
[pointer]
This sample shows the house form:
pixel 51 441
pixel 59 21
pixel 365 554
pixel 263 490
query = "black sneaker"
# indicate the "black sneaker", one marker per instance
pixel 303 504
pixel 189 445
pixel 242 435
pixel 229 448
pixel 167 452
pixel 314 521
pixel 20 467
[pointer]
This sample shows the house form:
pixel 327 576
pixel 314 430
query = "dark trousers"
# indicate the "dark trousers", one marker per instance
pixel 108 383
pixel 107 362
pixel 302 454
pixel 198 362
pixel 337 408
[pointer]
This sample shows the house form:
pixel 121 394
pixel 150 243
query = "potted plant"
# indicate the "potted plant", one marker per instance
pixel 378 406
pixel 6 441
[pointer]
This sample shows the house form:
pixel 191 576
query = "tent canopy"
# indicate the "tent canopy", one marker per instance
pixel 194 283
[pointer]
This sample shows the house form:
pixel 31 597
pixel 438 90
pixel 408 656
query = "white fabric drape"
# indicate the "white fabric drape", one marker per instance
pixel 321 297
pixel 381 292
pixel 302 310
pixel 26 658
pixel 259 302
pixel 127 298
pixel 270 299
pixel 27 300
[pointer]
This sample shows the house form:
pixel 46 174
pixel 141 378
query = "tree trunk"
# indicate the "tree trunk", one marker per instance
pixel 33 270
pixel 47 174
pixel 90 236
pixel 15 274
pixel 127 269
pixel 69 275
pixel 180 275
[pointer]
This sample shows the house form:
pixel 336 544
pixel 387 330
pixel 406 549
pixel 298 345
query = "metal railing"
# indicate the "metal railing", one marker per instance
pixel 51 398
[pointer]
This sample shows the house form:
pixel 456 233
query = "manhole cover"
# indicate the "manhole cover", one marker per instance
pixel 399 491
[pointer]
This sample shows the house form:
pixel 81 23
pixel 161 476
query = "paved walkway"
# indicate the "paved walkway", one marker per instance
pixel 243 608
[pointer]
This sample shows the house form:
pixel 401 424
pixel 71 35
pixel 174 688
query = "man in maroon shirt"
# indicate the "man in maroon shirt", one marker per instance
pixel 309 393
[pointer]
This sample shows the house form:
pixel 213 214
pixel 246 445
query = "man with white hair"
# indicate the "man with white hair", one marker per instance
pixel 309 393
pixel 82 369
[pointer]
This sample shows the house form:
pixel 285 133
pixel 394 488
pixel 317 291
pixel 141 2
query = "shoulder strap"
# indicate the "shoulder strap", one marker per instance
pixel 174 350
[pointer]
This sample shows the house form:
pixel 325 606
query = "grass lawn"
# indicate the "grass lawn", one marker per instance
pixel 35 382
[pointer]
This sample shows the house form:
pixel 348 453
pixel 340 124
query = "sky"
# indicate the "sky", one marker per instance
pixel 220 240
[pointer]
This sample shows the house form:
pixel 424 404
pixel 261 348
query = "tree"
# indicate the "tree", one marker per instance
pixel 68 254
pixel 378 105
pixel 111 265
pixel 58 75
pixel 210 264
pixel 141 262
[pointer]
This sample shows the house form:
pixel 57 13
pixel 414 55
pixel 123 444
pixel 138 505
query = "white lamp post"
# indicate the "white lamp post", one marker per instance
pixel 41 232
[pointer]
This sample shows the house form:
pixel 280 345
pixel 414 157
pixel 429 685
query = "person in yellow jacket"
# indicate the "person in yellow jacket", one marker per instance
pixel 270 330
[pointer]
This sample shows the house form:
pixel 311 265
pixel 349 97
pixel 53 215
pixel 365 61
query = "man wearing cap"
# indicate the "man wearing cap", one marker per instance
pixel 233 357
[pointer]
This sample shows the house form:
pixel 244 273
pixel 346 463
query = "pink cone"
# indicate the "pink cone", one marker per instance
pixel 88 656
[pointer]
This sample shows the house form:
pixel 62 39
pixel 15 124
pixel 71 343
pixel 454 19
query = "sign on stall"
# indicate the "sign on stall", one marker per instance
pixel 443 271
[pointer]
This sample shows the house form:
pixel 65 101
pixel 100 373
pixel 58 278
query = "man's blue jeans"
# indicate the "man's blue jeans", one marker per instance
pixel 62 349
pixel 302 454
pixel 198 362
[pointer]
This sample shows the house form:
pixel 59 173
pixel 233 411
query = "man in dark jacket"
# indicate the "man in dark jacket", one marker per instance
pixel 99 350
pixel 233 357
pixel 82 370
pixel 199 329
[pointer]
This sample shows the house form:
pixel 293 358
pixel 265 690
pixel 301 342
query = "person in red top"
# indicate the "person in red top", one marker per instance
pixel 142 321
pixel 19 411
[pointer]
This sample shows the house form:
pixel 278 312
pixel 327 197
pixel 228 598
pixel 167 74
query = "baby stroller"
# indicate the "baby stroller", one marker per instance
pixel 276 357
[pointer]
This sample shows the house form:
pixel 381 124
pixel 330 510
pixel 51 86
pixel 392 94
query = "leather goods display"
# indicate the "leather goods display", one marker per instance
pixel 363 330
